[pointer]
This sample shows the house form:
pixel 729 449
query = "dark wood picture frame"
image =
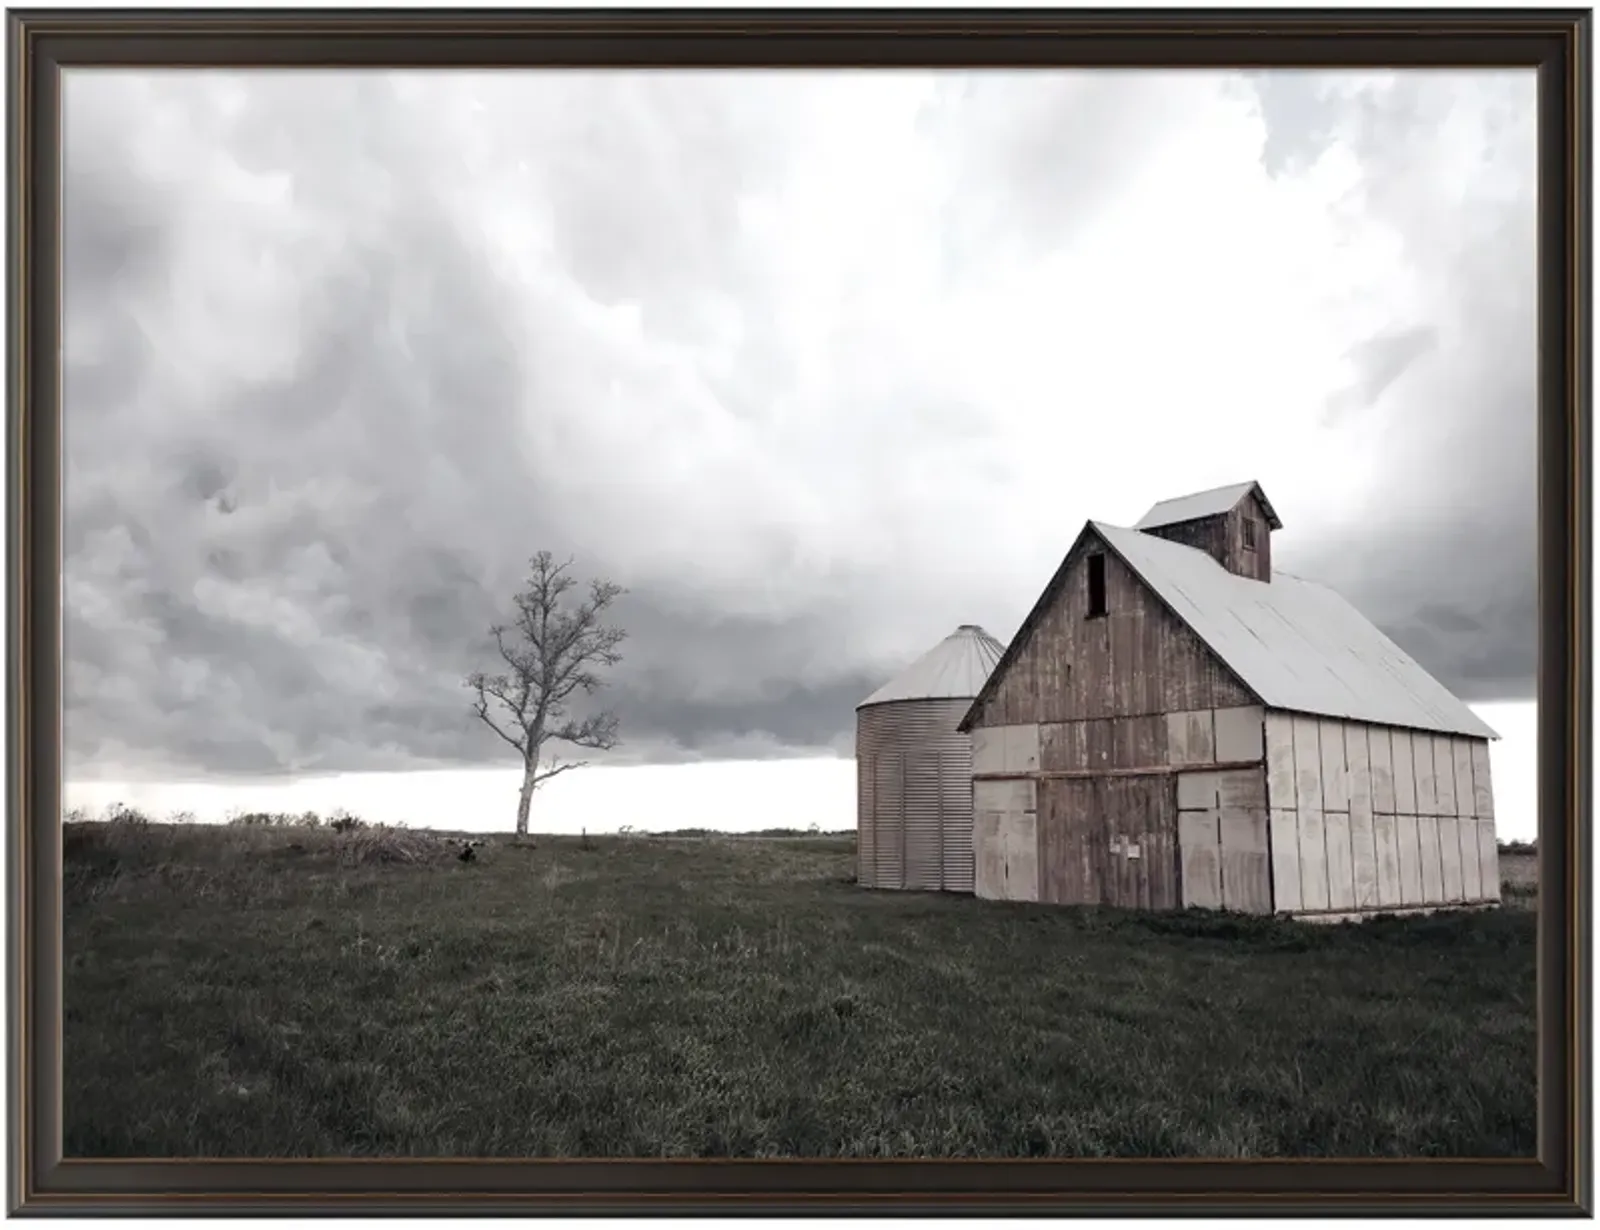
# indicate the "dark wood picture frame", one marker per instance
pixel 42 43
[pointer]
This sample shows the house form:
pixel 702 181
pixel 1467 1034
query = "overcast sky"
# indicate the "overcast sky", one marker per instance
pixel 817 365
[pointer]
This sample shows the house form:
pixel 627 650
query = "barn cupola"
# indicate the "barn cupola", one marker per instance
pixel 1232 524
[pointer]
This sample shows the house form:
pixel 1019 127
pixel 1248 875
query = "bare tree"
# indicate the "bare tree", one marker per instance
pixel 552 651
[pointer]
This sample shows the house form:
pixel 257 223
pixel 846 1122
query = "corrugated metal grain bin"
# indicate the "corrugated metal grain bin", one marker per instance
pixel 914 769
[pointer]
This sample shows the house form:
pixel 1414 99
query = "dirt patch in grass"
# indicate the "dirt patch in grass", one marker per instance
pixel 252 992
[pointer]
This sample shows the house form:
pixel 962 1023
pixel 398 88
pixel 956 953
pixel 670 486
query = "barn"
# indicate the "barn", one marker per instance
pixel 1177 725
pixel 914 768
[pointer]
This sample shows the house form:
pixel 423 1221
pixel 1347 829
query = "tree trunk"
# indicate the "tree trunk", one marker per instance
pixel 523 800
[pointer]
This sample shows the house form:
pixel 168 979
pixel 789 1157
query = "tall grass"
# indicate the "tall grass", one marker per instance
pixel 253 990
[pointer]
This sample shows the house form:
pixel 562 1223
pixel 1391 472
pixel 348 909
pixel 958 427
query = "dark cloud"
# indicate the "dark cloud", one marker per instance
pixel 1443 554
pixel 343 350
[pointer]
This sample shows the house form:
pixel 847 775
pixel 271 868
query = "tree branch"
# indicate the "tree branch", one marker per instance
pixel 555 647
pixel 555 769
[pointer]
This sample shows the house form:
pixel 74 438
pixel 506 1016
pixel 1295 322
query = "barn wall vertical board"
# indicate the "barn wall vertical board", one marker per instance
pixel 1313 860
pixel 1022 857
pixel 1280 761
pixel 1335 783
pixel 1471 880
pixel 1405 774
pixel 1307 765
pixel 989 855
pixel 1385 838
pixel 1483 805
pixel 1450 858
pixel 1461 757
pixel 1363 834
pixel 1364 857
pixel 1488 860
pixel 1358 764
pixel 1199 851
pixel 1428 853
pixel 1380 753
pixel 1444 775
pixel 1341 871
pixel 1246 878
pixel 1426 776
pixel 1163 868
pixel 1408 851
pixel 1285 837
pixel 1482 790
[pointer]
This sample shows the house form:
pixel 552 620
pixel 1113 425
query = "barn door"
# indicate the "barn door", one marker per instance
pixel 1139 842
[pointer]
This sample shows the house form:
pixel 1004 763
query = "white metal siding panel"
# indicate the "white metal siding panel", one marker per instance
pixel 1488 860
pixel 1285 861
pixel 1280 760
pixel 1444 775
pixel 989 855
pixel 1191 738
pixel 1461 757
pixel 1428 854
pixel 1307 766
pixel 1358 766
pixel 1335 789
pixel 1245 877
pixel 1313 860
pixel 1238 734
pixel 1385 838
pixel 1022 749
pixel 1380 755
pixel 989 749
pixel 1482 790
pixel 1467 836
pixel 1341 870
pixel 1198 791
pixel 1021 842
pixel 1364 856
pixel 1427 777
pixel 1199 849
pixel 1450 858
pixel 1408 847
pixel 1405 774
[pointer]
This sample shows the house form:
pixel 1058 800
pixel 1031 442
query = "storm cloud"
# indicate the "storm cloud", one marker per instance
pixel 817 366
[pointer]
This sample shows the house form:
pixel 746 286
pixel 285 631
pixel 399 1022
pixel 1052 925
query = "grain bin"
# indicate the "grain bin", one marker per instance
pixel 914 769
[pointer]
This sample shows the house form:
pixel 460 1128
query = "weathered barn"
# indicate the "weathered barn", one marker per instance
pixel 1176 724
pixel 914 768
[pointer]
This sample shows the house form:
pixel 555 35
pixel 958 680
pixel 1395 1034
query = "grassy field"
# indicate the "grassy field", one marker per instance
pixel 262 991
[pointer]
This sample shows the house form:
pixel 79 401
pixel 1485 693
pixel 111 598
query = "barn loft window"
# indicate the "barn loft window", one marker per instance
pixel 1097 585
pixel 1249 534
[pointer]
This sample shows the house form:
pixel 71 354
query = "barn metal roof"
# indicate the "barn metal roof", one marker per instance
pixel 954 669
pixel 1296 644
pixel 1205 504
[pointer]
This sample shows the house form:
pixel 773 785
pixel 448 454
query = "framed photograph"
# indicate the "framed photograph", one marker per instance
pixel 778 611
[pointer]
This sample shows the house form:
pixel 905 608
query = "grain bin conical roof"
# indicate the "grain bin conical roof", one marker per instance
pixel 954 669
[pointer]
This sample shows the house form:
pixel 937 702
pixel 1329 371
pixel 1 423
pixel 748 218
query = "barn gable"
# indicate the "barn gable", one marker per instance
pixel 1136 659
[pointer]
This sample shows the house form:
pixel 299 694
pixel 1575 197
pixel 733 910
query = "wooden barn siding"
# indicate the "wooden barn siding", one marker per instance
pixel 1110 784
pixel 1222 538
pixel 1108 841
pixel 1370 818
pixel 1138 660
